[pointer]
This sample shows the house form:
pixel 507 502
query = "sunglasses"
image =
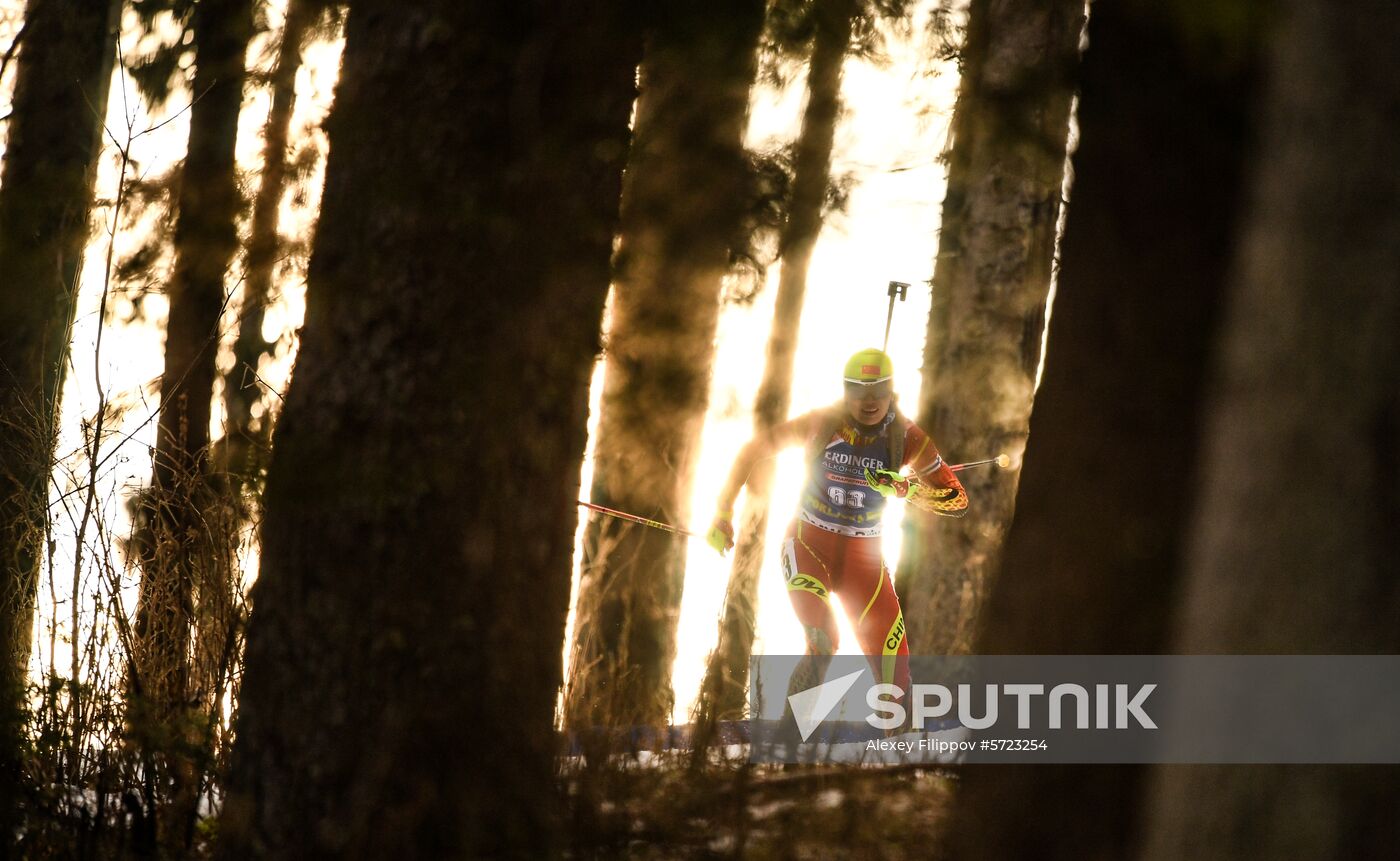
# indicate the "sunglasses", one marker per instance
pixel 861 391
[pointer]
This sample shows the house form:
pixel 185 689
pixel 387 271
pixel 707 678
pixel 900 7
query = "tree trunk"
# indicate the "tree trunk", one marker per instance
pixel 62 78
pixel 185 550
pixel 726 675
pixel 1090 563
pixel 239 458
pixel 1294 544
pixel 247 440
pixel 681 206
pixel 995 253
pixel 404 654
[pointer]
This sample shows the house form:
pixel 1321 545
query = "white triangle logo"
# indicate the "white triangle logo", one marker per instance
pixel 810 707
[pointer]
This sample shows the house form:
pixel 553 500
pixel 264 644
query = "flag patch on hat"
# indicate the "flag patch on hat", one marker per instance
pixel 870 369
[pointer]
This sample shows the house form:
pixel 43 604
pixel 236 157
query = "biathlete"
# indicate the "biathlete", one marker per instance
pixel 860 452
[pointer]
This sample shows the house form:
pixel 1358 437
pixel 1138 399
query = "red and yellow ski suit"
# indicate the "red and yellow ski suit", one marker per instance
pixel 833 545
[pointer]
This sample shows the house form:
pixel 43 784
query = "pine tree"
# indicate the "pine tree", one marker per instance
pixel 682 204
pixel 404 652
pixel 1091 561
pixel 238 459
pixel 1293 534
pixel 990 283
pixel 247 440
pixel 62 77
pixel 830 24
pixel 185 551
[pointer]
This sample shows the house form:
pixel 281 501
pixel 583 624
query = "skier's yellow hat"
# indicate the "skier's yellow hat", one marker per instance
pixel 869 367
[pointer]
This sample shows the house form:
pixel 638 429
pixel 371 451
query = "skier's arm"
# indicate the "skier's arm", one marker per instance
pixel 933 486
pixel 764 445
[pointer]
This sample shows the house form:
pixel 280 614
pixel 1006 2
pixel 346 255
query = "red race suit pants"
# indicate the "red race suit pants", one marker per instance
pixel 819 564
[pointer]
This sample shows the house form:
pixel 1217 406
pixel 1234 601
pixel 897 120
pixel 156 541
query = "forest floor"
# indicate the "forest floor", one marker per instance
pixel 737 810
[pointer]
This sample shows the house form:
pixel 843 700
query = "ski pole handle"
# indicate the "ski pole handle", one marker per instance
pixel 1000 460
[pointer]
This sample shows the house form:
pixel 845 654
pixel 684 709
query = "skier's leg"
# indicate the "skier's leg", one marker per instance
pixel 809 585
pixel 867 593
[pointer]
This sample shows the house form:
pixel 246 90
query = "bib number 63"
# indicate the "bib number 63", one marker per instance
pixel 846 498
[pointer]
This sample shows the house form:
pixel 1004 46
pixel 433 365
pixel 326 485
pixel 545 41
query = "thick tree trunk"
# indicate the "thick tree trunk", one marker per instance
pixel 404 655
pixel 62 77
pixel 1295 548
pixel 681 207
pixel 726 675
pixel 185 552
pixel 995 254
pixel 1090 564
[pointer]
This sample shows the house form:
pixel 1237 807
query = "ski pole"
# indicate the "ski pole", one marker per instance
pixel 654 524
pixel 900 289
pixel 1000 460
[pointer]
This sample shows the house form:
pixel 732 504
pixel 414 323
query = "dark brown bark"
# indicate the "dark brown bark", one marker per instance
pixel 726 675
pixel 205 242
pixel 238 459
pixel 55 126
pixel 682 202
pixel 1091 562
pixel 1294 548
pixel 54 137
pixel 247 440
pixel 404 654
pixel 995 253
pixel 184 546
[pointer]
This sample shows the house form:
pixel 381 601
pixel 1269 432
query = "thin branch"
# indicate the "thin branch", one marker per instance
pixel 10 51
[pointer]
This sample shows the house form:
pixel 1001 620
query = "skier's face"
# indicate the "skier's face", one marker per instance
pixel 868 404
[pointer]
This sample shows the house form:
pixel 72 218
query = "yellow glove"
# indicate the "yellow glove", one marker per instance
pixel 721 536
pixel 887 482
